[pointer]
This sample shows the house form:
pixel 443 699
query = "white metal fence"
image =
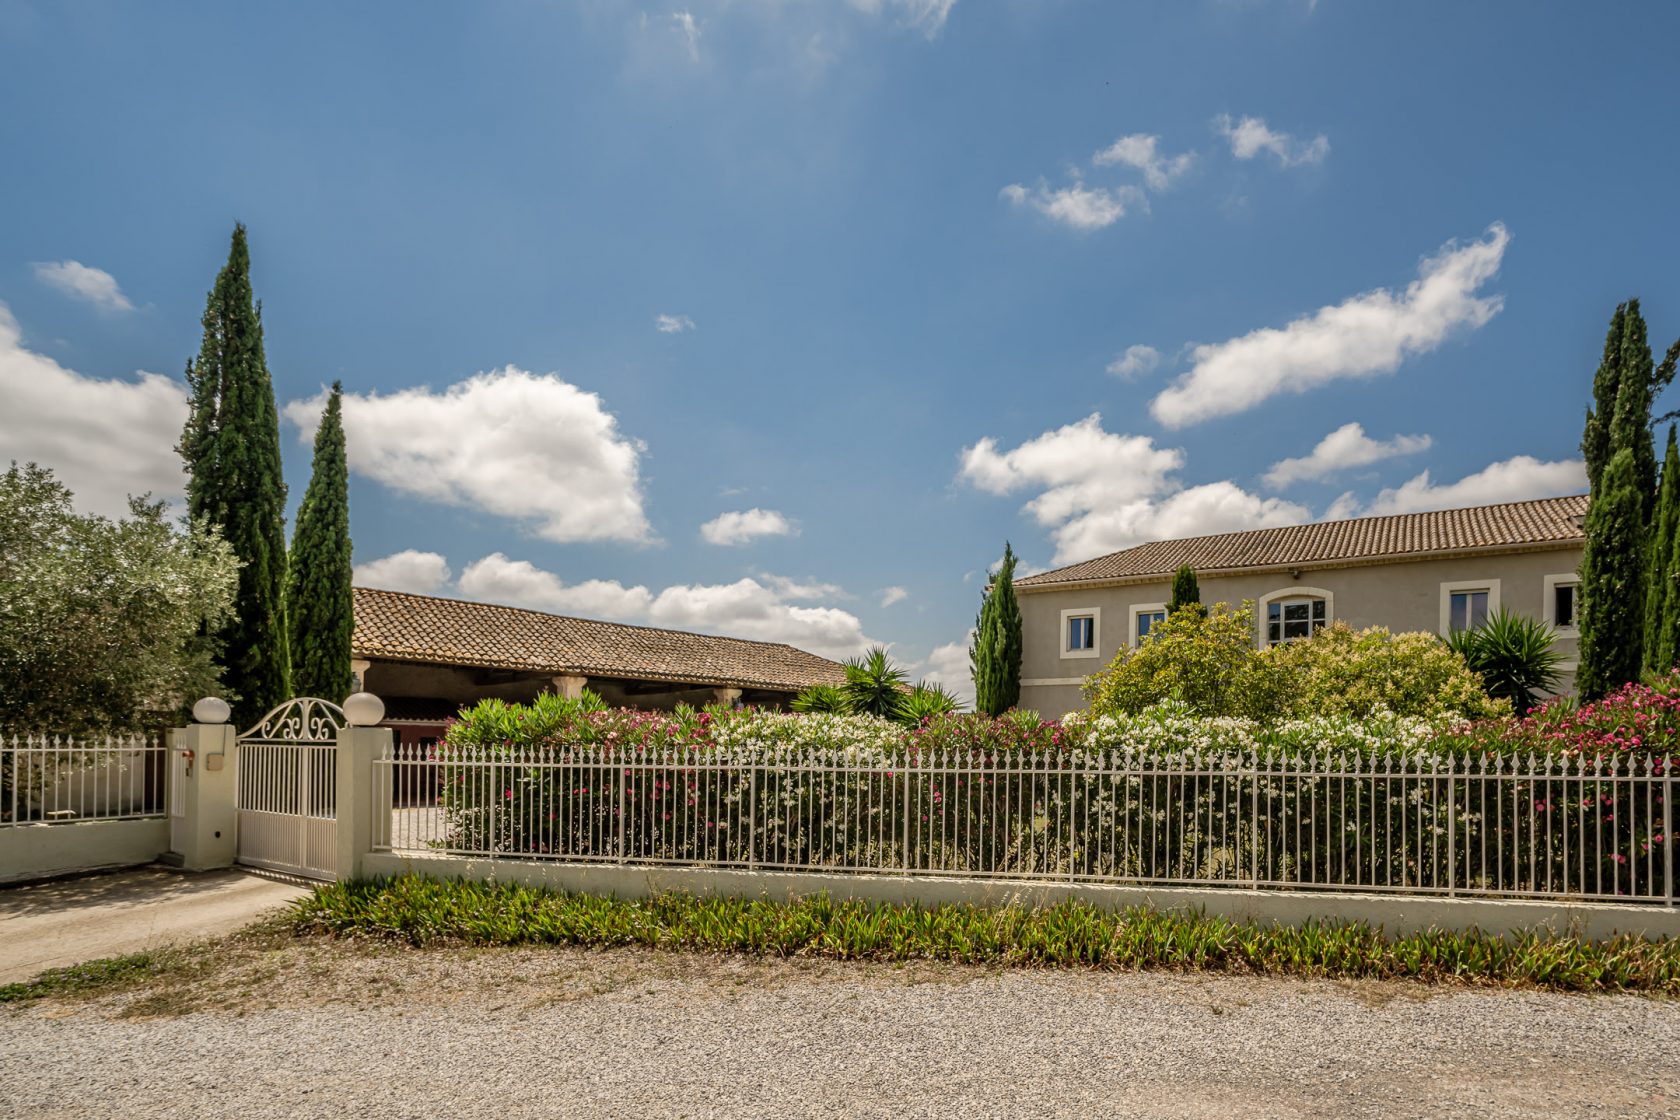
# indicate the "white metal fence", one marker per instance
pixel 54 779
pixel 1505 826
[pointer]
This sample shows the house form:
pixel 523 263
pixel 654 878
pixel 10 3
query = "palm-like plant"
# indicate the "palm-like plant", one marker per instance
pixel 1514 655
pixel 928 698
pixel 874 685
pixel 824 699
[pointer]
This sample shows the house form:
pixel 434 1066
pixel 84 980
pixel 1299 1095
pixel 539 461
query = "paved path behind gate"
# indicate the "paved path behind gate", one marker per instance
pixel 49 925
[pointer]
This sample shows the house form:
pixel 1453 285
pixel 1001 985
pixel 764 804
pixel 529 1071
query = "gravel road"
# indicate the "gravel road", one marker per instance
pixel 328 1031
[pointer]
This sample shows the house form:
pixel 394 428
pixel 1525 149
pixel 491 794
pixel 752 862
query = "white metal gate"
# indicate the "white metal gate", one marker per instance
pixel 288 789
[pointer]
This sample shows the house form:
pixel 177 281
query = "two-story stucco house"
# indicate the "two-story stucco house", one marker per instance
pixel 1436 572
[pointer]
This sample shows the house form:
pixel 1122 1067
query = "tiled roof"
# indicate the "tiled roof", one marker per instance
pixel 1514 525
pixel 395 626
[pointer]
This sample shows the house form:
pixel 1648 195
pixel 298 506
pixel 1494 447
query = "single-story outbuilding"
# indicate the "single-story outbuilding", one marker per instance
pixel 426 657
pixel 1438 572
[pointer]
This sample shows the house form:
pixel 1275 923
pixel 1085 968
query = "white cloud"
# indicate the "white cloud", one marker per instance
pixel 1135 362
pixel 1250 136
pixel 528 447
pixel 746 608
pixel 949 667
pixel 1510 480
pixel 421 573
pixel 744 526
pixel 83 282
pixel 1102 491
pixel 1142 151
pixel 1364 335
pixel 789 588
pixel 1079 207
pixel 104 438
pixel 891 595
pixel 1346 447
pixel 689 32
pixel 673 324
pixel 926 16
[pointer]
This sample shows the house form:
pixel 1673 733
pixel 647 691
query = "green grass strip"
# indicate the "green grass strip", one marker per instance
pixel 90 976
pixel 425 912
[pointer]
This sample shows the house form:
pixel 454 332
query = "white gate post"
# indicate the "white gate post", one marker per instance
pixel 360 819
pixel 205 798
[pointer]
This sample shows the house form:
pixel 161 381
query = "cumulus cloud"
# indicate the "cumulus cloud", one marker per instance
pixel 1509 480
pixel 891 595
pixel 524 446
pixel 1135 362
pixel 1345 448
pixel 764 610
pixel 926 16
pixel 673 324
pixel 949 667
pixel 1142 151
pixel 1101 491
pixel 1078 207
pixel 1250 136
pixel 1364 335
pixel 104 438
pixel 689 31
pixel 421 573
pixel 745 526
pixel 83 282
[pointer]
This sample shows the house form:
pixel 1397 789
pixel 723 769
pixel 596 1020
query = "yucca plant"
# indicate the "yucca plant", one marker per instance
pixel 926 699
pixel 1514 655
pixel 825 699
pixel 874 685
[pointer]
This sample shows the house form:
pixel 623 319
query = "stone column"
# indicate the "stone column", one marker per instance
pixel 730 696
pixel 570 687
pixel 364 789
pixel 202 832
pixel 358 675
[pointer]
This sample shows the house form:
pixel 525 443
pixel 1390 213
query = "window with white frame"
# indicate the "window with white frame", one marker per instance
pixel 1561 607
pixel 1465 605
pixel 1081 632
pixel 1145 617
pixel 1293 614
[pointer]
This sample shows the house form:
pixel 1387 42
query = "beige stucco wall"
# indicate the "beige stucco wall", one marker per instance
pixel 1401 596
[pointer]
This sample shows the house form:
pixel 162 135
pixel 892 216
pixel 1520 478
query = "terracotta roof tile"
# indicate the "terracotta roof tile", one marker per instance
pixel 1512 525
pixel 396 626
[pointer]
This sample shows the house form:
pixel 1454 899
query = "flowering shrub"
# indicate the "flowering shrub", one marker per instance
pixel 1635 720
pixel 1345 672
pixel 1205 660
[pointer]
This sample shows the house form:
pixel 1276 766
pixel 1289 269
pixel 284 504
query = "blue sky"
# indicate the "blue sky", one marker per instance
pixel 777 319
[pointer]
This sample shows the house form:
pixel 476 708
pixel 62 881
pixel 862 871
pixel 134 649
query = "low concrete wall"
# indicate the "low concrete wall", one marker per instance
pixel 1395 914
pixel 38 851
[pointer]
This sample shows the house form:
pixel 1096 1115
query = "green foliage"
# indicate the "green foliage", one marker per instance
pixel 1341 671
pixel 423 912
pixel 101 621
pixel 319 609
pixel 231 447
pixel 498 723
pixel 1185 591
pixel 823 698
pixel 926 700
pixel 1612 582
pixel 96 977
pixel 1206 661
pixel 875 686
pixel 995 655
pixel 1660 594
pixel 1514 656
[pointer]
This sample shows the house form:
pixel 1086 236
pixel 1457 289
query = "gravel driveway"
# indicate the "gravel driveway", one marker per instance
pixel 324 1030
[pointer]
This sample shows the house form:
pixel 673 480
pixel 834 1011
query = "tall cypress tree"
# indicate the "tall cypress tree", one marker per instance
pixel 995 655
pixel 1659 585
pixel 231 446
pixel 319 610
pixel 1612 573
pixel 1607 384
pixel 1185 590
pixel 1630 424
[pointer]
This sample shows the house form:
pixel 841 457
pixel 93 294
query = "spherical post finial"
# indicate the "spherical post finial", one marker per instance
pixel 211 709
pixel 363 709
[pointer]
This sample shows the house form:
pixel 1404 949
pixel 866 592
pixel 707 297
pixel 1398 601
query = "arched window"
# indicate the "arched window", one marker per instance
pixel 1293 614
